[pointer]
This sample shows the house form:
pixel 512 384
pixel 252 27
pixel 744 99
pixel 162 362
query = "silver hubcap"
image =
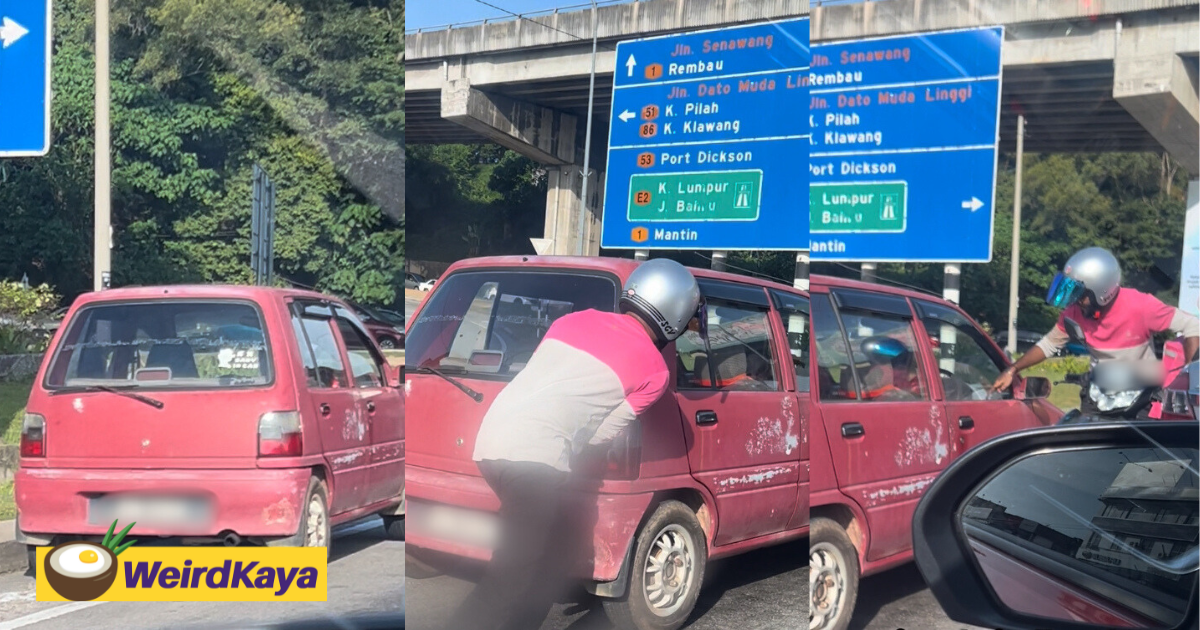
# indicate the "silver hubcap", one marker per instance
pixel 314 535
pixel 827 585
pixel 670 570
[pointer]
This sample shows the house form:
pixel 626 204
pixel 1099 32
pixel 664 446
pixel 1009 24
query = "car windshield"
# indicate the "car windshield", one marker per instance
pixel 490 322
pixel 172 344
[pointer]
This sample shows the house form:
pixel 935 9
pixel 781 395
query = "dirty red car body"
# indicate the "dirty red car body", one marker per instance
pixel 259 395
pixel 872 458
pixel 739 456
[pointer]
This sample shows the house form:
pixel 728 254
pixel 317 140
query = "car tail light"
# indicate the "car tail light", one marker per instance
pixel 279 434
pixel 33 436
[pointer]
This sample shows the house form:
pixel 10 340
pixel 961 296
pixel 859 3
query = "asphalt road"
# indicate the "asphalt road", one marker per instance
pixel 899 600
pixel 366 577
pixel 763 590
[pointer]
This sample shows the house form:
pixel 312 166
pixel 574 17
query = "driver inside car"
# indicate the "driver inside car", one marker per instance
pixel 1118 323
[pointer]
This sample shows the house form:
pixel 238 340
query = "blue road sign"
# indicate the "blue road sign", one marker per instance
pixel 25 78
pixel 903 159
pixel 709 139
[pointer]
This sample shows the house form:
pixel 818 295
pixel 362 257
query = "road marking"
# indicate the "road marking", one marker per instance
pixel 18 597
pixel 49 613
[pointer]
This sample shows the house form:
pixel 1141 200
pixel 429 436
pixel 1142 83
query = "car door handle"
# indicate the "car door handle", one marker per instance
pixel 966 422
pixel 370 406
pixel 706 417
pixel 325 410
pixel 852 429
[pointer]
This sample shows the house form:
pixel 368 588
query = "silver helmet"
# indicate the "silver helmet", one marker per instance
pixel 664 294
pixel 1094 272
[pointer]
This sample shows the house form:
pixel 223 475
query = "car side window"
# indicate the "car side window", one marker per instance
pixel 835 371
pixel 318 327
pixel 363 366
pixel 795 313
pixel 737 354
pixel 967 368
pixel 306 353
pixel 886 358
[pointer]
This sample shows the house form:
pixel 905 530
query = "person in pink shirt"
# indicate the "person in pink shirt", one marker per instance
pixel 1118 323
pixel 591 376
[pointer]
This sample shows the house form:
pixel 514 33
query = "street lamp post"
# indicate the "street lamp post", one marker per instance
pixel 587 142
pixel 102 241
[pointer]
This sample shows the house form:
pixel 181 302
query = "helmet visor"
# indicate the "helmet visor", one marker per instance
pixel 1064 291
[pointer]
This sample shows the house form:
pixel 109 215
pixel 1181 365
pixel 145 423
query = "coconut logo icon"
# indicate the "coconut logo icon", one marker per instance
pixel 83 571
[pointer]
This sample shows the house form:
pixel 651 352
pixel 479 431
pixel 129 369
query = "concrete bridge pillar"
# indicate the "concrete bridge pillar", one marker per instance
pixel 1158 87
pixel 563 186
pixel 547 136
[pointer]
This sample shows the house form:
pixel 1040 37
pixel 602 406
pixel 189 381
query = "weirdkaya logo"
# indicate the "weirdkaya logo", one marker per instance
pixel 82 571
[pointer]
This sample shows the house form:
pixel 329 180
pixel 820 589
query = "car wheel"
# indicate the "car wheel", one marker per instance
pixel 31 556
pixel 666 574
pixel 315 530
pixel 387 343
pixel 832 576
pixel 394 527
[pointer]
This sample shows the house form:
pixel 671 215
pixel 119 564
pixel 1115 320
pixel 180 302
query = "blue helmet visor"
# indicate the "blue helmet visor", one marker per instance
pixel 1064 291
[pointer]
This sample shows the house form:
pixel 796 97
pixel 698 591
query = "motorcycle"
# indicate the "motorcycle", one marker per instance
pixel 1118 390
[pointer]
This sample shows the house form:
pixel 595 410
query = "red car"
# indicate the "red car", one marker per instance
pixel 721 465
pixel 210 414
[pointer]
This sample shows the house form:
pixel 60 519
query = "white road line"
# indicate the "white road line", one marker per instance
pixel 27 596
pixel 49 613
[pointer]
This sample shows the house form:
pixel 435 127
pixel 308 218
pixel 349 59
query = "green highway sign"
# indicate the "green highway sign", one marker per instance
pixel 704 196
pixel 879 207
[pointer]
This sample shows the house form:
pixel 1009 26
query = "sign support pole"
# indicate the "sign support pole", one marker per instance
pixel 718 260
pixel 587 142
pixel 102 241
pixel 868 272
pixel 1014 277
pixel 801 278
pixel 641 254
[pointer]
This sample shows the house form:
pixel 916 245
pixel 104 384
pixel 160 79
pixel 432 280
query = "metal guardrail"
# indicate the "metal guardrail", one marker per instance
pixel 520 16
pixel 579 7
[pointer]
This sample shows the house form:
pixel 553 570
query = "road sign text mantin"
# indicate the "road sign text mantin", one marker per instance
pixel 920 112
pixel 706 150
pixel 25 49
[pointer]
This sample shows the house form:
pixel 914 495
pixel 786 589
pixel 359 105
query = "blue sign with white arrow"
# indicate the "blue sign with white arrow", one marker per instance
pixel 25 78
pixel 904 141
pixel 709 140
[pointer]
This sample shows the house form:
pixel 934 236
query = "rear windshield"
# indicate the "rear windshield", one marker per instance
pixel 172 344
pixel 490 322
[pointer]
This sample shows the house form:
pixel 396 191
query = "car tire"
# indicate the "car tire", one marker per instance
pixel 315 530
pixel 393 526
pixel 674 540
pixel 833 574
pixel 387 343
pixel 31 557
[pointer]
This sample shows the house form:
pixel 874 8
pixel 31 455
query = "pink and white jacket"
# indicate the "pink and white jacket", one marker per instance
pixel 1126 332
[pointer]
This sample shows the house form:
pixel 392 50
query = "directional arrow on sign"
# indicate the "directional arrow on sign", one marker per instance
pixel 10 32
pixel 972 205
pixel 631 64
pixel 626 115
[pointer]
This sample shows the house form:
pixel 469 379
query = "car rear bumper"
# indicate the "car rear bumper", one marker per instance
pixel 263 503
pixel 612 518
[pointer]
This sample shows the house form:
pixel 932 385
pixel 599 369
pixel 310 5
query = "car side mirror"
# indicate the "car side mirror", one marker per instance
pixel 1065 528
pixel 1036 388
pixel 1074 330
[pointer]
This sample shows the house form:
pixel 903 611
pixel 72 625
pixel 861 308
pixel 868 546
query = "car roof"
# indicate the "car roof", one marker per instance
pixel 203 291
pixel 622 267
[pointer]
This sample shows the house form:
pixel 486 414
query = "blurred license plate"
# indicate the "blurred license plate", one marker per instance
pixel 149 511
pixel 471 527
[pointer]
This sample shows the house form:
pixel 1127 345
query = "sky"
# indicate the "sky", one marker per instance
pixel 429 13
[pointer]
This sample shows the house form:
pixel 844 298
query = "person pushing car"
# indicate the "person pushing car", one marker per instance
pixel 1118 323
pixel 591 376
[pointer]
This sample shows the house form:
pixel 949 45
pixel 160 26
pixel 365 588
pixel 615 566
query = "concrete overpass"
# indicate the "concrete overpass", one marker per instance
pixel 1089 76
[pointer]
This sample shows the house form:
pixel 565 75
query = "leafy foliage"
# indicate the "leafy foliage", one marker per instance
pixel 202 90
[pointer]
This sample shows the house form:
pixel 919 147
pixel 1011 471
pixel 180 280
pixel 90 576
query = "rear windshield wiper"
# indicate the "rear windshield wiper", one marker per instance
pixel 476 396
pixel 120 391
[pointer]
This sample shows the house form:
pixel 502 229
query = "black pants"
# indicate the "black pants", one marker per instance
pixel 527 571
